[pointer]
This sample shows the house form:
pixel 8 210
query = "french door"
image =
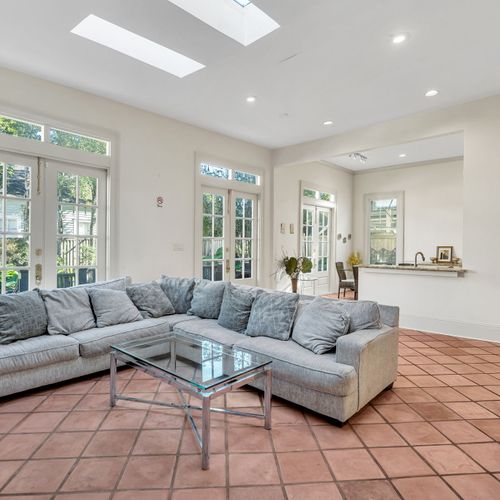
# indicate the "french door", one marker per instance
pixel 316 245
pixel 52 224
pixel 229 235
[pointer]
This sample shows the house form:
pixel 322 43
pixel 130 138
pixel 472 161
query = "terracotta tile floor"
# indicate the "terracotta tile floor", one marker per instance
pixel 433 436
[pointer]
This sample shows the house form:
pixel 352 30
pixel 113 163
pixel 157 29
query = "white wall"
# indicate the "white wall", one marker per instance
pixel 433 205
pixel 287 208
pixel 469 304
pixel 155 156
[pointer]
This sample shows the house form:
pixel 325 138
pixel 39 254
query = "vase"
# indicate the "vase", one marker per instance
pixel 294 284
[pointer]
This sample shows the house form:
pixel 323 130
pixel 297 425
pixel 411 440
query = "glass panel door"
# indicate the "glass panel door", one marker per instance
pixel 229 235
pixel 75 225
pixel 20 221
pixel 316 245
pixel 214 234
pixel 244 217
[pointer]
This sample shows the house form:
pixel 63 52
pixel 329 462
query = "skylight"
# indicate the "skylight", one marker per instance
pixel 117 38
pixel 238 19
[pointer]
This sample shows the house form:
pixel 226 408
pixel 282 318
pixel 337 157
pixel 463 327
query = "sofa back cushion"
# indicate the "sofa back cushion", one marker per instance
pixel 272 315
pixel 22 316
pixel 112 284
pixel 207 299
pixel 150 299
pixel 364 314
pixel 236 308
pixel 320 324
pixel 179 291
pixel 68 310
pixel 113 307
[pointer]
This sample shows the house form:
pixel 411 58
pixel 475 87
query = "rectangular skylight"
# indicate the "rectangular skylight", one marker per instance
pixel 117 38
pixel 238 19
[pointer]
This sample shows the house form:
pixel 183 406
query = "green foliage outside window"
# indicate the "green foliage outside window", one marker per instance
pixel 20 128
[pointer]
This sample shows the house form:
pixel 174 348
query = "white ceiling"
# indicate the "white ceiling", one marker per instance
pixel 433 148
pixel 331 59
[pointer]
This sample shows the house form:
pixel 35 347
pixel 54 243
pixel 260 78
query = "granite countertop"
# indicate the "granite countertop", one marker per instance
pixel 421 267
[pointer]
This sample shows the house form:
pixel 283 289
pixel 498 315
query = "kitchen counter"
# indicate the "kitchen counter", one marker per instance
pixel 426 269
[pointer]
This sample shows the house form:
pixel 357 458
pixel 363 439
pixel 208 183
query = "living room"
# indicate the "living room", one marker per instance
pixel 340 132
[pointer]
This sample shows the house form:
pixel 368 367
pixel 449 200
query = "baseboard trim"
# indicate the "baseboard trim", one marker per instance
pixel 475 331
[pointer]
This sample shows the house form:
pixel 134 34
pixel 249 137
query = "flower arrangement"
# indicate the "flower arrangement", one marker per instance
pixel 354 259
pixel 294 267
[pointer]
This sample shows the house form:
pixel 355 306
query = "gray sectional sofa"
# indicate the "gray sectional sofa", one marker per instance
pixel 337 383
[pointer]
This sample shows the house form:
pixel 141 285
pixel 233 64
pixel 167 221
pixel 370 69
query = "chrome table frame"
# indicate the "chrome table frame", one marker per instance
pixel 206 396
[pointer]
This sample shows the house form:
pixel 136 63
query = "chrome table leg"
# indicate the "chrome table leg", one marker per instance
pixel 112 380
pixel 268 389
pixel 205 433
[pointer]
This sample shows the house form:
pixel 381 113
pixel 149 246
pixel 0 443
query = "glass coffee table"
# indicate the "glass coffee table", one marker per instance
pixel 193 365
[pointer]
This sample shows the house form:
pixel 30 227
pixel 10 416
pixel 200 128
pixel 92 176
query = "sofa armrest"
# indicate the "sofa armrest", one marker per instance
pixel 389 315
pixel 374 355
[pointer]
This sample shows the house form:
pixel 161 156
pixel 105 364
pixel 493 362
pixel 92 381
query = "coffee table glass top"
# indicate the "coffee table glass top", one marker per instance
pixel 200 362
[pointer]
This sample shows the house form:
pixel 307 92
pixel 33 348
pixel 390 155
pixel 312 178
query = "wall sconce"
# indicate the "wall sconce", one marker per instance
pixel 160 201
pixel 339 236
pixel 349 236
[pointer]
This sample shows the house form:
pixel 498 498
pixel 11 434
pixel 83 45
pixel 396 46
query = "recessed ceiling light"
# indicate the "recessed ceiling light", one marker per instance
pixel 397 39
pixel 403 155
pixel 117 38
pixel 251 98
pixel 238 19
pixel 432 93
pixel 328 122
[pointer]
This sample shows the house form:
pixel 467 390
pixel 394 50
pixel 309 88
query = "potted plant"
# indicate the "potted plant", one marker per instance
pixel 354 259
pixel 294 267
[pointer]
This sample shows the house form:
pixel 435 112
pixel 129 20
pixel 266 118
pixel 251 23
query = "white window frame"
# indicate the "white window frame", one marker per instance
pixel 233 186
pixel 47 151
pixel 400 197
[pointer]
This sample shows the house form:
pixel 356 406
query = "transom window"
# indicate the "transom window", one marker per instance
pixel 229 174
pixel 73 140
pixel 318 195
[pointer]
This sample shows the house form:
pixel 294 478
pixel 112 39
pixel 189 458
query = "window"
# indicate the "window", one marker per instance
pixel 56 136
pixel 244 218
pixel 21 128
pixel 214 171
pixel 77 141
pixel 384 229
pixel 318 195
pixel 229 174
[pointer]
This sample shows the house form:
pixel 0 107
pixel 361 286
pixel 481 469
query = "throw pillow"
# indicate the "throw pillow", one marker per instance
pixel 272 315
pixel 236 308
pixel 68 310
pixel 207 299
pixel 364 314
pixel 22 316
pixel 179 291
pixel 113 307
pixel 150 300
pixel 319 326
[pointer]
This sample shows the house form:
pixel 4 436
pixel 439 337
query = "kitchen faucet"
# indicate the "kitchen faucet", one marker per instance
pixel 416 257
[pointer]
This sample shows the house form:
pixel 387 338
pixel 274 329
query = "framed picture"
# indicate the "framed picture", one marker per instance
pixel 444 253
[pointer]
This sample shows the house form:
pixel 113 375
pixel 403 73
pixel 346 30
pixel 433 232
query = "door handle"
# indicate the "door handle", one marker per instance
pixel 38 274
pixel 228 266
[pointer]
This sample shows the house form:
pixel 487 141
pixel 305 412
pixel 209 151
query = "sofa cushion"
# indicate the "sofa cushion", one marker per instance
pixel 210 329
pixel 96 342
pixel 179 291
pixel 22 316
pixel 113 307
pixel 272 315
pixel 364 314
pixel 150 299
pixel 113 284
pixel 296 365
pixel 236 308
pixel 36 352
pixel 68 310
pixel 320 325
pixel 207 299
